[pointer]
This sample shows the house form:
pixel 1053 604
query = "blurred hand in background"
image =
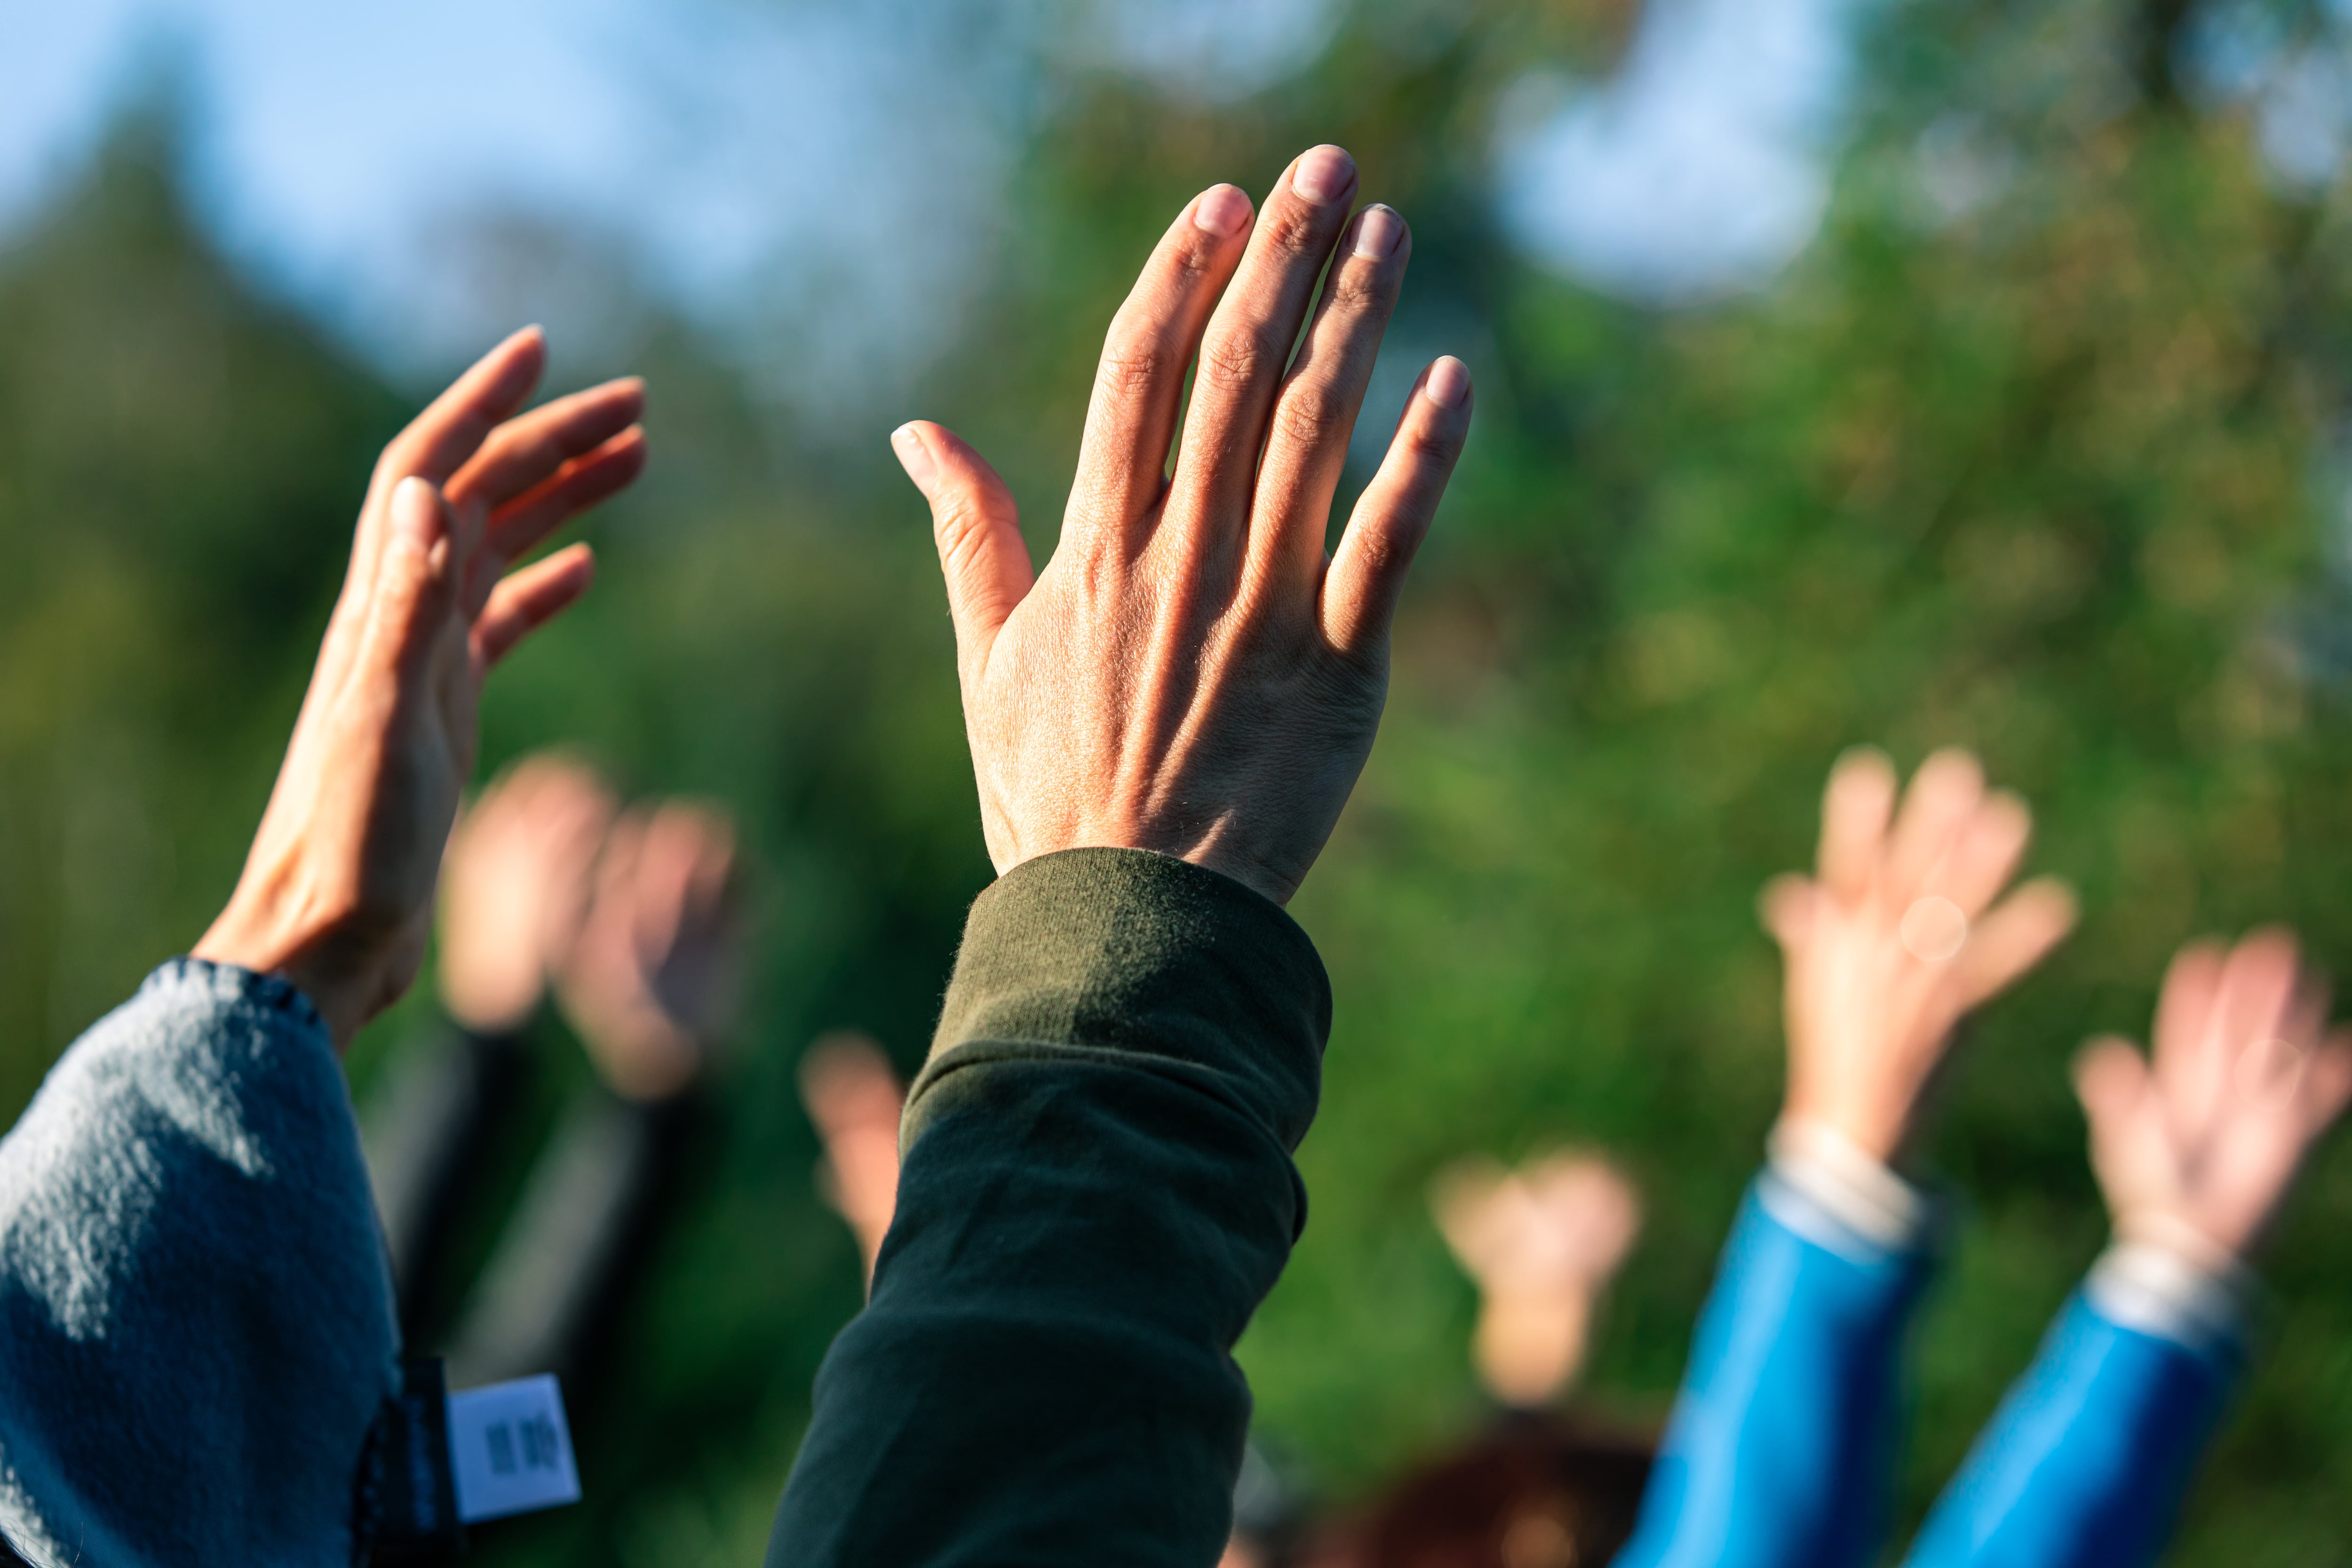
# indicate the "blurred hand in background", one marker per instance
pixel 514 888
pixel 1191 673
pixel 2196 1150
pixel 854 1100
pixel 1542 1242
pixel 1897 935
pixel 652 981
pixel 337 893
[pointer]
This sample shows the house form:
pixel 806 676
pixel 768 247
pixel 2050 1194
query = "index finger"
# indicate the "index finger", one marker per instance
pixel 456 424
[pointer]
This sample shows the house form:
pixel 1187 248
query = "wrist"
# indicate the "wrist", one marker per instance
pixel 1847 1184
pixel 2198 1245
pixel 2163 1278
pixel 346 980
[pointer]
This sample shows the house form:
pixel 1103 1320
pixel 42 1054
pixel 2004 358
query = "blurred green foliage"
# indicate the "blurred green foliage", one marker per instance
pixel 2055 476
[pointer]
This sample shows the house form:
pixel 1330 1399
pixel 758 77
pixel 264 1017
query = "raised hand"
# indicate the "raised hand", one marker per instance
pixel 2197 1150
pixel 651 984
pixel 1190 673
pixel 337 892
pixel 1542 1242
pixel 1899 935
pixel 854 1101
pixel 514 888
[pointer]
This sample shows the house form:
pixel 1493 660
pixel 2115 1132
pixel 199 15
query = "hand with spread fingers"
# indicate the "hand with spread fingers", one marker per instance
pixel 1542 1242
pixel 514 888
pixel 1191 673
pixel 651 985
pixel 2195 1150
pixel 1899 935
pixel 337 893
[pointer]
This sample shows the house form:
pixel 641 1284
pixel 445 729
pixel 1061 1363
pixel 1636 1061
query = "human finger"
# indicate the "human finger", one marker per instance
pixel 2185 1003
pixel 1247 347
pixel 1786 907
pixel 2016 935
pixel 977 528
pixel 1139 381
pixel 414 592
pixel 579 485
pixel 527 599
pixel 2327 1084
pixel 1855 808
pixel 2259 978
pixel 1986 852
pixel 455 425
pixel 1941 801
pixel 521 451
pixel 2111 1077
pixel 1394 514
pixel 1315 412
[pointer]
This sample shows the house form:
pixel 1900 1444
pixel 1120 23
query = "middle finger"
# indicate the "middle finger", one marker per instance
pixel 1316 412
pixel 1247 348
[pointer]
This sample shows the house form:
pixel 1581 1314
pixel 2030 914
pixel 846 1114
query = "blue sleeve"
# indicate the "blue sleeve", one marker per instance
pixel 1780 1447
pixel 2086 1459
pixel 195 1318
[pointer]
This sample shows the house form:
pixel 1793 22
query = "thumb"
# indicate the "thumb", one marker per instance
pixel 976 526
pixel 416 589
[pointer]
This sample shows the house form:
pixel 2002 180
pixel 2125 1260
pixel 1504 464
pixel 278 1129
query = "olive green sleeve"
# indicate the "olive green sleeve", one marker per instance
pixel 1097 1192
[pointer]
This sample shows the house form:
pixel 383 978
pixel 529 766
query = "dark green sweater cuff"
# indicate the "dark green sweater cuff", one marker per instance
pixel 1098 1190
pixel 1148 956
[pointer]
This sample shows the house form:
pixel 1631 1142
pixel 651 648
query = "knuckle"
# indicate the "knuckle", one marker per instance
pixel 1311 413
pixel 960 527
pixel 1232 359
pixel 1133 360
pixel 1431 443
pixel 1289 231
pixel 1194 258
pixel 1357 290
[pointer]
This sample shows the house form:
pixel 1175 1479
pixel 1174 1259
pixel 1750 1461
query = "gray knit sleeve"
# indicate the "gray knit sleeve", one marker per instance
pixel 197 1325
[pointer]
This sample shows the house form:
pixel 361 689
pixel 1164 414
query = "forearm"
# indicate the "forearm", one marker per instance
pixel 1097 1192
pixel 198 1326
pixel 1780 1448
pixel 2088 1456
pixel 429 1136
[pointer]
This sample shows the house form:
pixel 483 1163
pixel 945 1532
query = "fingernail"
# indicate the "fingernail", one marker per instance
pixel 1324 173
pixel 914 456
pixel 1222 211
pixel 1378 232
pixel 1449 382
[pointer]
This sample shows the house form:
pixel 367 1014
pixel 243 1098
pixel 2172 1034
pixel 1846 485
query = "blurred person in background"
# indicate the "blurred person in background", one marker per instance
pixel 200 1341
pixel 631 921
pixel 1544 1486
pixel 1780 1449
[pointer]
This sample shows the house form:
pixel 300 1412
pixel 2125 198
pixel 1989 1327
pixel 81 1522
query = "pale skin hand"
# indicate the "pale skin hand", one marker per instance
pixel 1542 1242
pixel 337 892
pixel 651 984
pixel 1190 673
pixel 514 888
pixel 1899 935
pixel 854 1101
pixel 2207 1139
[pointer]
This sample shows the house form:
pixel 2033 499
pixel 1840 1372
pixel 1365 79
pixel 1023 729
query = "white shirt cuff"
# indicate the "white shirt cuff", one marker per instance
pixel 2168 1280
pixel 1825 1187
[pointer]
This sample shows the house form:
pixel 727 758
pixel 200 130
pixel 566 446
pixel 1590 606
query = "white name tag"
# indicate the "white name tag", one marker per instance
pixel 511 1450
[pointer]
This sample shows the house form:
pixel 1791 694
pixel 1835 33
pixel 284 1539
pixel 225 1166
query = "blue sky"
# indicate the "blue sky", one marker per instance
pixel 751 158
